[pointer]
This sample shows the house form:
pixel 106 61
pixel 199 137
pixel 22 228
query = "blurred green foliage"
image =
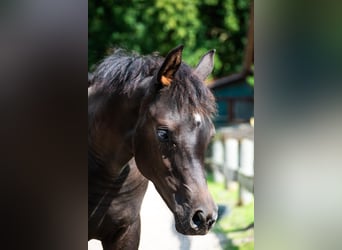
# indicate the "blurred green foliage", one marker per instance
pixel 250 79
pixel 238 217
pixel 160 25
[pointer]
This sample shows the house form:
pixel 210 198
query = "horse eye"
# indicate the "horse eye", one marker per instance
pixel 163 135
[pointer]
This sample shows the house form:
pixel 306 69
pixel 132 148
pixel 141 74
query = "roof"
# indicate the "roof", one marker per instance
pixel 230 80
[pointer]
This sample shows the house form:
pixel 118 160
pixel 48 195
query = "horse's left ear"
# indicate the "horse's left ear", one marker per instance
pixel 206 65
pixel 170 66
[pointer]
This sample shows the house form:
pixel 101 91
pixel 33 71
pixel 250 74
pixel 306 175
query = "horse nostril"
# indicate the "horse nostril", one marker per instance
pixel 198 219
pixel 210 223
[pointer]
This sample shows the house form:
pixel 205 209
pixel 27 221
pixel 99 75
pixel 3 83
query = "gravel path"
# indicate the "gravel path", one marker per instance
pixel 158 231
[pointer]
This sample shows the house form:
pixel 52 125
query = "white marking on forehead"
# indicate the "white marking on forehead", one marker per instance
pixel 91 90
pixel 198 118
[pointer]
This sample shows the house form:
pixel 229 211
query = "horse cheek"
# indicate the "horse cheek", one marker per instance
pixel 143 154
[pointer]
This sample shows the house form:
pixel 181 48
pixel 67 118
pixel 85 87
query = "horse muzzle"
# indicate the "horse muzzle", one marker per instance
pixel 199 223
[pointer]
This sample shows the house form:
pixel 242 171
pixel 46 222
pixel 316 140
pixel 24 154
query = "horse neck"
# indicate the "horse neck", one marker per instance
pixel 112 123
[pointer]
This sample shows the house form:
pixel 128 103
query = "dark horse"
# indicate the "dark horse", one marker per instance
pixel 149 119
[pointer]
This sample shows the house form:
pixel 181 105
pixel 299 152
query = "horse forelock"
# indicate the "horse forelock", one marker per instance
pixel 191 95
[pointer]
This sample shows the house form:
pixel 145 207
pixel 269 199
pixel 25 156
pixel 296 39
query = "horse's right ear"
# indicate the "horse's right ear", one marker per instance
pixel 170 66
pixel 206 65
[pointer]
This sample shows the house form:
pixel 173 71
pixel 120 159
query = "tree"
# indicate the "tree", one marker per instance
pixel 159 25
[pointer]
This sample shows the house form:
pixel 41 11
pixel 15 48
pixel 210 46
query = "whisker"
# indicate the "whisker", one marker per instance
pixel 187 187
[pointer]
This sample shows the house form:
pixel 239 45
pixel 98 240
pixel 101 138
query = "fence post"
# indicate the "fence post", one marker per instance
pixel 231 159
pixel 217 159
pixel 246 171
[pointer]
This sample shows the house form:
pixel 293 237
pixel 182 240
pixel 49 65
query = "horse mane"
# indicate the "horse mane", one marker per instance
pixel 123 71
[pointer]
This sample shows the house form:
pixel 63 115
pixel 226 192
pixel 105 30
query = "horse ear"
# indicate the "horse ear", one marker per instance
pixel 170 66
pixel 205 65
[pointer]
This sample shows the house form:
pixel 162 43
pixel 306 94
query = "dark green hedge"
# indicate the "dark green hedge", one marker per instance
pixel 159 25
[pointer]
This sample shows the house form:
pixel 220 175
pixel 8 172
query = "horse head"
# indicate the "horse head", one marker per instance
pixel 171 136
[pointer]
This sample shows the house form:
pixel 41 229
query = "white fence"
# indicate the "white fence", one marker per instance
pixel 232 158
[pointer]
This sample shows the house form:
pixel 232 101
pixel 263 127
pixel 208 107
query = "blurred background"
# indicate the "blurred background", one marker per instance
pixel 201 25
pixel 298 139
